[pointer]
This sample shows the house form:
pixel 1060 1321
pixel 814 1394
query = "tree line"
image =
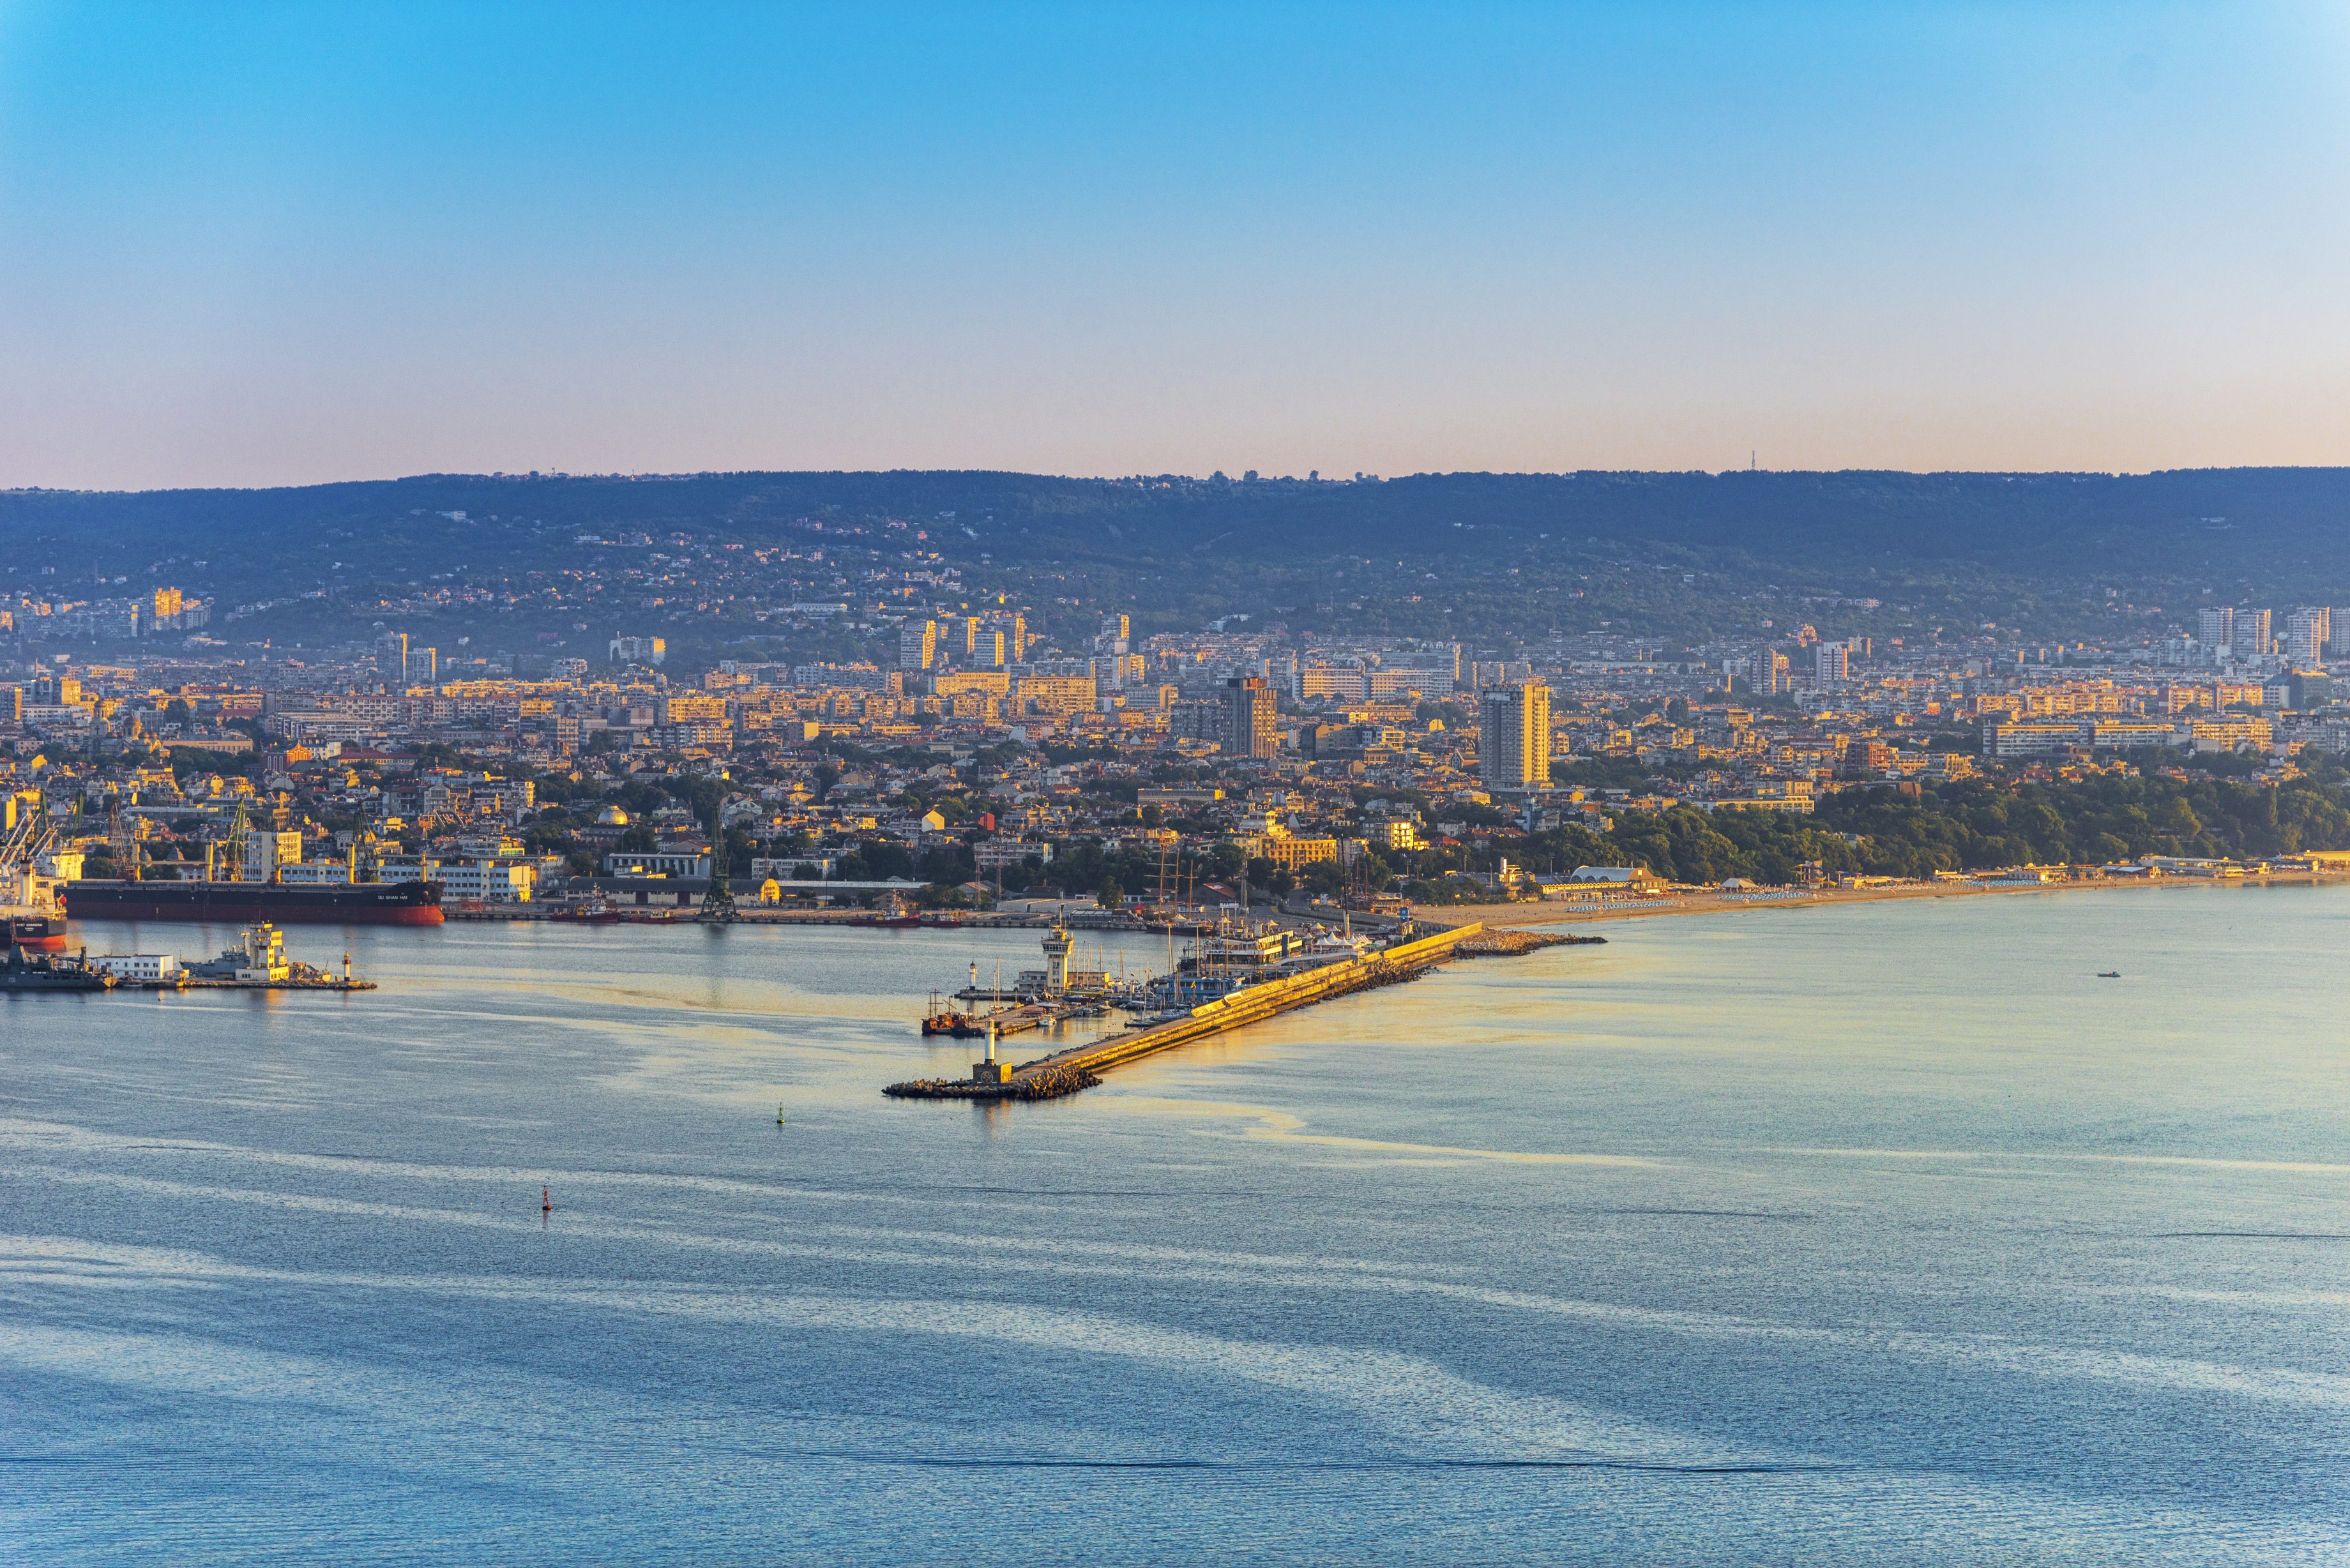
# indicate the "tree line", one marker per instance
pixel 1913 831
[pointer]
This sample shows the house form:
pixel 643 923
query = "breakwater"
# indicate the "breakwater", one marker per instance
pixel 1081 1066
pixel 1513 944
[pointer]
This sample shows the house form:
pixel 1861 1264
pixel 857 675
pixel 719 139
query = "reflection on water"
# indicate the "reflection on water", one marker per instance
pixel 1833 1235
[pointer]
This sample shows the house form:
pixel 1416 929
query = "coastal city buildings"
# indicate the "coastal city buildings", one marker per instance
pixel 957 747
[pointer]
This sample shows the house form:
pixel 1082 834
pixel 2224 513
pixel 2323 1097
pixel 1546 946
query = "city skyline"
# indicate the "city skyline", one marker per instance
pixel 252 248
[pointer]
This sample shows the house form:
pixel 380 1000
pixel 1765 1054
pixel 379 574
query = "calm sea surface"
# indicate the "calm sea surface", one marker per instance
pixel 1882 1233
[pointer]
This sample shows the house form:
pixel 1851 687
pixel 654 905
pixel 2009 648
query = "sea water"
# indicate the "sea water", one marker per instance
pixel 1831 1235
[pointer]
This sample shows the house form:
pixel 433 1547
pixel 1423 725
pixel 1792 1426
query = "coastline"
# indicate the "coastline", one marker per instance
pixel 1557 913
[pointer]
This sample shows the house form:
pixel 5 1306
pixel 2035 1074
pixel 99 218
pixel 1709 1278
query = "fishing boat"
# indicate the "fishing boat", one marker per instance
pixel 941 1019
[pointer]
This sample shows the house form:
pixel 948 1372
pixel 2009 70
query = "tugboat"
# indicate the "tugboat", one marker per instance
pixel 892 915
pixel 21 972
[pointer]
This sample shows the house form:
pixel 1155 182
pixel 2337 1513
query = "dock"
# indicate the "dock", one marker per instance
pixel 330 983
pixel 1081 1066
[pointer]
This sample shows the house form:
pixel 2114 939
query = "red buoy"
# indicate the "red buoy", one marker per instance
pixel 545 1202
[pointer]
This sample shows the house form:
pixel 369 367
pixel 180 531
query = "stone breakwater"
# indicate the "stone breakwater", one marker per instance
pixel 1512 944
pixel 1046 1084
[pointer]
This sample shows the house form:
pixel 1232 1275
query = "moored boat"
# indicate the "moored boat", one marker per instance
pixel 22 972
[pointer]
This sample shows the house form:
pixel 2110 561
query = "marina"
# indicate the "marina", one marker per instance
pixel 1223 956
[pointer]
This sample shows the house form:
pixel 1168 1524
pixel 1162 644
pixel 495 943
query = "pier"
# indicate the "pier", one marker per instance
pixel 1081 1066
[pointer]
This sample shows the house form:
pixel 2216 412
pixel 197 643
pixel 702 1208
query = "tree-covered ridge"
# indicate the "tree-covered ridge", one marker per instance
pixel 1965 826
pixel 1666 553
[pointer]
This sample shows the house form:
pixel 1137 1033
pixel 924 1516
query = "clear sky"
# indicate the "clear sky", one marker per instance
pixel 259 245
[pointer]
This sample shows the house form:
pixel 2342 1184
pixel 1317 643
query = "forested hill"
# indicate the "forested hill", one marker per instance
pixel 2259 523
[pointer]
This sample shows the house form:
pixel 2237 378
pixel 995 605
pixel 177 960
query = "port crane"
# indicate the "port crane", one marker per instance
pixel 718 903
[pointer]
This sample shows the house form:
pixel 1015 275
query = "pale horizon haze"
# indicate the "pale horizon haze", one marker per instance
pixel 278 244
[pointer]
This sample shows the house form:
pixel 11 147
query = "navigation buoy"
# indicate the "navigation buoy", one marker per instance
pixel 779 1116
pixel 545 1202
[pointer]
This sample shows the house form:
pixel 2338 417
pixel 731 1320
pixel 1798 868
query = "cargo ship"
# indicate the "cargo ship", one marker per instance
pixel 255 903
pixel 30 917
pixel 33 929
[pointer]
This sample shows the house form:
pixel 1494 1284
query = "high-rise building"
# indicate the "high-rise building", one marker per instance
pixel 1772 673
pixel 918 644
pixel 2216 630
pixel 2307 632
pixel 635 649
pixel 1831 663
pixel 1019 639
pixel 425 666
pixel 391 658
pixel 2253 638
pixel 1248 719
pixel 1116 630
pixel 1514 737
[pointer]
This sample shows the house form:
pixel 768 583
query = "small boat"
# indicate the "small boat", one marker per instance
pixel 596 914
pixel 893 914
pixel 2109 975
pixel 943 1020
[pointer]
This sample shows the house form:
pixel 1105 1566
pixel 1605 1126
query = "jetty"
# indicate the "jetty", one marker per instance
pixel 1081 1066
pixel 1517 944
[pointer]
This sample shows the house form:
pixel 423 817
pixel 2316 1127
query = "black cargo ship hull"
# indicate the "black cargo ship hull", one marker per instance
pixel 41 933
pixel 249 903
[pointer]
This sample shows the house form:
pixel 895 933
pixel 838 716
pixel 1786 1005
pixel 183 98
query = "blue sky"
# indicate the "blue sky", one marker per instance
pixel 258 244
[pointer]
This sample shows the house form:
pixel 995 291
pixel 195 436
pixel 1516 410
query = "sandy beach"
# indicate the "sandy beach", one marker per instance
pixel 1560 912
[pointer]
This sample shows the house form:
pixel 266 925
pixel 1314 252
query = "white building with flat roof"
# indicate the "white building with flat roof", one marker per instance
pixel 136 966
